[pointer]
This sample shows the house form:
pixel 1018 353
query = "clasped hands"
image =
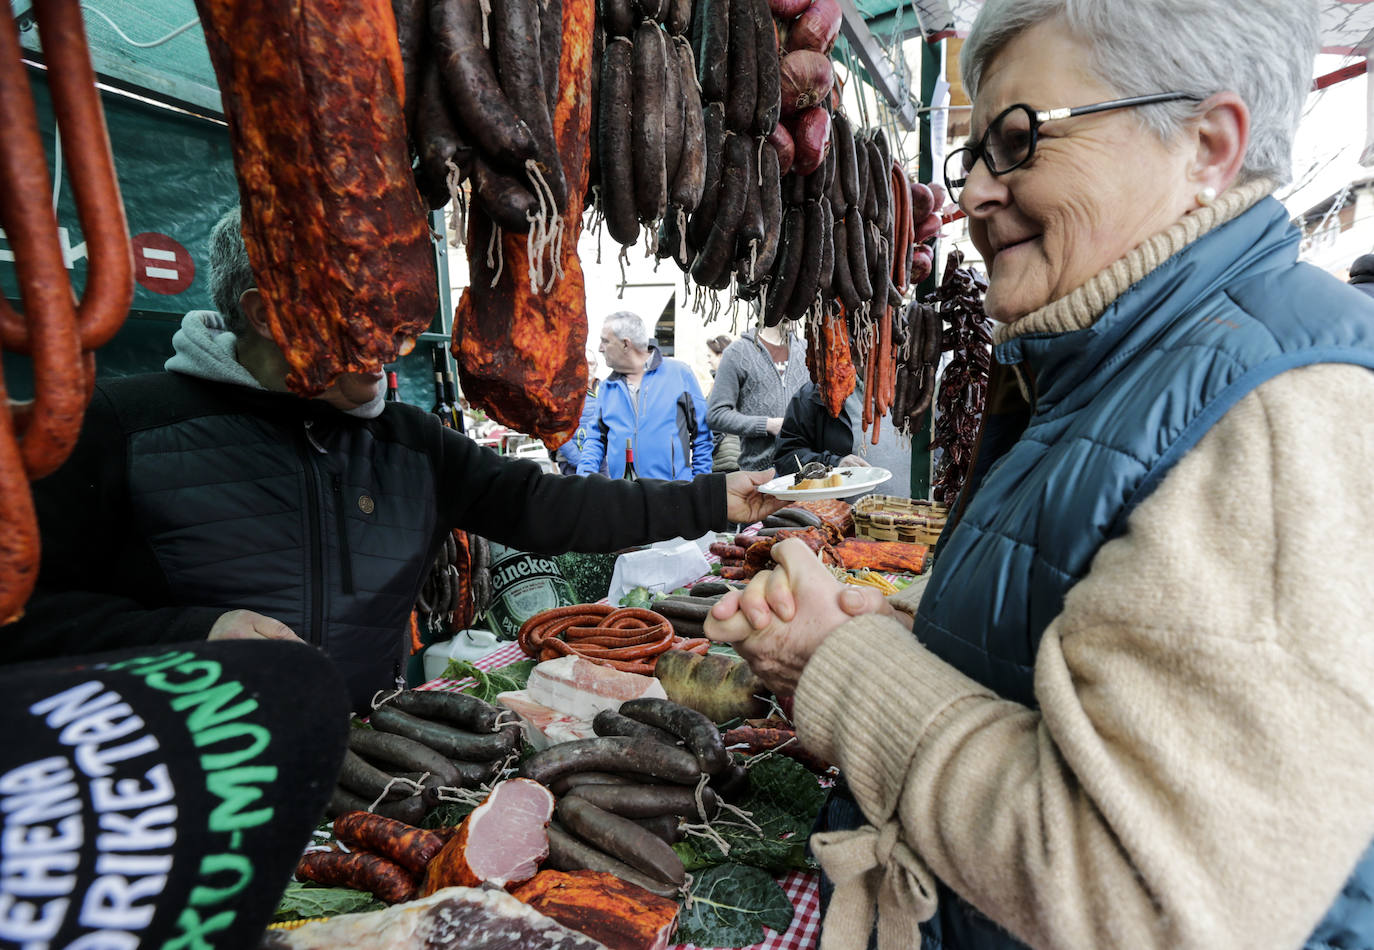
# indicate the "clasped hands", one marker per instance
pixel 780 619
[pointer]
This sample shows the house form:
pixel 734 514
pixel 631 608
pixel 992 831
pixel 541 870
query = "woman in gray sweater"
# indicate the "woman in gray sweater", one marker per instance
pixel 757 376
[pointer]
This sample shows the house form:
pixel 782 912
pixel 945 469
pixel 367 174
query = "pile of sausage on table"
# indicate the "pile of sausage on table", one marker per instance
pixel 570 847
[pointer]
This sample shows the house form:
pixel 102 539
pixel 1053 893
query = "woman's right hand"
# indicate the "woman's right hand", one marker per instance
pixel 780 619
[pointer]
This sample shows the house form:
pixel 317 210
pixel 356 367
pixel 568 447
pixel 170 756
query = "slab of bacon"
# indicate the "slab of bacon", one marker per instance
pixel 895 556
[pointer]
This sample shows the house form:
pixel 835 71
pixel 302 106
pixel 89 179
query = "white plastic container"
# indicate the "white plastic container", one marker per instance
pixel 467 645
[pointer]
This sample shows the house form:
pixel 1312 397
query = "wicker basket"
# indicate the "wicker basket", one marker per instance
pixel 891 518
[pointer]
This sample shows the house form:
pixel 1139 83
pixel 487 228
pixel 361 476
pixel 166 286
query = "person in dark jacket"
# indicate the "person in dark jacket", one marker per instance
pixel 206 502
pixel 1362 273
pixel 811 434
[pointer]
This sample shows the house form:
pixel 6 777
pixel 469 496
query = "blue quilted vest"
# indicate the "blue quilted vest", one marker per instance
pixel 1115 406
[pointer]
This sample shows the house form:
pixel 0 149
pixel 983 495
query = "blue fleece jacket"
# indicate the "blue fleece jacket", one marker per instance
pixel 667 429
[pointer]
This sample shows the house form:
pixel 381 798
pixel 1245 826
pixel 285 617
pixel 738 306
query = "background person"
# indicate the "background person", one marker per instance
pixel 1362 273
pixel 207 502
pixel 650 401
pixel 758 373
pixel 570 452
pixel 1136 708
pixel 811 434
pixel 725 454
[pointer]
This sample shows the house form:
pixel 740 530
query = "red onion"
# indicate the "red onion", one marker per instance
pixel 938 191
pixel 788 9
pixel 784 146
pixel 929 227
pixel 922 201
pixel 922 259
pixel 807 78
pixel 811 131
pixel 817 28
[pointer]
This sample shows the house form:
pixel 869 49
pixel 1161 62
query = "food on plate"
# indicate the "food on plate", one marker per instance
pixel 467 917
pixel 621 915
pixel 819 475
pixel 722 687
pixel 501 842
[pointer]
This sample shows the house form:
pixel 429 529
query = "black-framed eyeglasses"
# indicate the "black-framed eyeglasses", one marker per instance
pixel 1009 141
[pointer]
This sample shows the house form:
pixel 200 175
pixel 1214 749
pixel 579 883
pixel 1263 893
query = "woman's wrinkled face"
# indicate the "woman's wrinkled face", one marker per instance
pixel 1096 186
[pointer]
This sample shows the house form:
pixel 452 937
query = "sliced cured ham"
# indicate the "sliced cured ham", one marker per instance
pixel 471 918
pixel 502 842
pixel 621 915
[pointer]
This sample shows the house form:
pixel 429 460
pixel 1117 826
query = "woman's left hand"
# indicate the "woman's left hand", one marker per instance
pixel 784 615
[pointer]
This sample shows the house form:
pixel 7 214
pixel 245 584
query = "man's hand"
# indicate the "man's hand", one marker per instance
pixel 743 503
pixel 773 424
pixel 854 461
pixel 247 625
pixel 783 616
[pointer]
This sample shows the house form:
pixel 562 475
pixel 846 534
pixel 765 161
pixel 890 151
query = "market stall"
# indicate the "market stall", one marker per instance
pixel 706 128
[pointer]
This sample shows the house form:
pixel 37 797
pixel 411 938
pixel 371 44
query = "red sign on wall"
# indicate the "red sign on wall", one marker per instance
pixel 161 264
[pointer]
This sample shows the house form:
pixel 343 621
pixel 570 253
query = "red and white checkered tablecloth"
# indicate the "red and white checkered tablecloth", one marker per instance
pixel 801 888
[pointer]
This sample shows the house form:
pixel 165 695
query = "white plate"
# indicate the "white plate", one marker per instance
pixel 859 480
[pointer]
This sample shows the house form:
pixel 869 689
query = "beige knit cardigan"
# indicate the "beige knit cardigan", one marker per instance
pixel 1200 770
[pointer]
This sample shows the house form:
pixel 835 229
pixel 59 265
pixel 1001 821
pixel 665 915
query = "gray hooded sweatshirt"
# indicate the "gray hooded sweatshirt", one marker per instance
pixel 747 391
pixel 206 349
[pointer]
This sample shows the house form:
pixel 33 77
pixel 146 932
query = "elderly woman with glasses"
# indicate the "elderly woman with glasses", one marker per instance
pixel 1137 710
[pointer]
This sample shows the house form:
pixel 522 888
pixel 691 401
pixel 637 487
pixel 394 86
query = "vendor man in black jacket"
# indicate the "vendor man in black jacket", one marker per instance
pixel 207 502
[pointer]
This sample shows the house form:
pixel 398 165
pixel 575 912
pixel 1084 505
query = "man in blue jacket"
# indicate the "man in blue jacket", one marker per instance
pixel 650 403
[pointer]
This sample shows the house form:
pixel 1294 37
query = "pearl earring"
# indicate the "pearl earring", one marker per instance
pixel 1206 196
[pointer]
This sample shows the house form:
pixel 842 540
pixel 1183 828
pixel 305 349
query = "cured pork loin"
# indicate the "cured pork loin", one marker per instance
pixel 501 842
pixel 467 917
pixel 335 231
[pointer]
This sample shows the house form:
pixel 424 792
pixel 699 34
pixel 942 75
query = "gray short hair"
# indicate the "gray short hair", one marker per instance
pixel 230 272
pixel 627 325
pixel 1263 50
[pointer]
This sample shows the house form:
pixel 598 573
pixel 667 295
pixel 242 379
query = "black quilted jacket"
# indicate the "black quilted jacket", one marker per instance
pixel 186 498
